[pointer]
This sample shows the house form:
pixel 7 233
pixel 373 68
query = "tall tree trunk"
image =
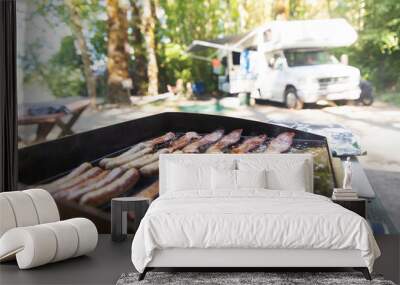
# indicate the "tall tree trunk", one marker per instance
pixel 118 57
pixel 140 64
pixel 148 20
pixel 76 26
pixel 329 8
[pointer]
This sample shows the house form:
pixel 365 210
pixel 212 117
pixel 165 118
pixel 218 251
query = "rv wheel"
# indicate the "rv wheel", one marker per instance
pixel 292 101
pixel 366 96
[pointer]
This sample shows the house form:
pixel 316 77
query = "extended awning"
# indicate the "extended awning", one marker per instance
pixel 226 43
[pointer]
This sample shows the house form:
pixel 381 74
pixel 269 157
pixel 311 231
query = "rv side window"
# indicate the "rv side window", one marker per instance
pixel 236 58
pixel 275 60
pixel 309 57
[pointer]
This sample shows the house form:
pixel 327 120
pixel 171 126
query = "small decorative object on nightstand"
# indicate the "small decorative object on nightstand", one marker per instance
pixel 348 174
pixel 358 206
pixel 119 209
pixel 346 192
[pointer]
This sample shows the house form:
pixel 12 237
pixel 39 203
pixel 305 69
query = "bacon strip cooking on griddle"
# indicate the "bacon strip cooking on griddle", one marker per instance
pixel 281 143
pixel 141 147
pixel 249 144
pixel 206 140
pixel 111 176
pixel 183 141
pixel 230 139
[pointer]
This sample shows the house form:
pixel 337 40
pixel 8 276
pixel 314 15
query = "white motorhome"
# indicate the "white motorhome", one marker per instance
pixel 286 61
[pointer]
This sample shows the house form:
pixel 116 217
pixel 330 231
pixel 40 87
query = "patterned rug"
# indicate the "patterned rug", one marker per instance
pixel 243 278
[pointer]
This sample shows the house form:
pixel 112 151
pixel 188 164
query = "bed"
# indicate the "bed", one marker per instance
pixel 254 210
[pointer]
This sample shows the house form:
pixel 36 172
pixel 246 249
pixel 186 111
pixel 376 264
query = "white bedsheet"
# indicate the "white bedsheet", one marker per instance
pixel 250 219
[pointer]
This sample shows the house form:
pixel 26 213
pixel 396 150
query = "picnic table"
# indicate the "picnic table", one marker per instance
pixel 47 122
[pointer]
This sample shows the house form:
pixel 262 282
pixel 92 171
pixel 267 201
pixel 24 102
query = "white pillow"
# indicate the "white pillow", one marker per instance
pixel 293 180
pixel 229 180
pixel 183 177
pixel 251 178
pixel 223 179
pixel 185 174
pixel 282 174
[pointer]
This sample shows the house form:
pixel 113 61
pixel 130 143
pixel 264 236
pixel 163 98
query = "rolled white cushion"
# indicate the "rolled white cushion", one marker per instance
pixel 87 235
pixel 33 246
pixel 67 240
pixel 45 205
pixel 41 244
pixel 7 218
pixel 23 208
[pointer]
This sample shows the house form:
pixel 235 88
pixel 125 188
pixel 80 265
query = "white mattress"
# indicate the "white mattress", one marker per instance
pixel 253 219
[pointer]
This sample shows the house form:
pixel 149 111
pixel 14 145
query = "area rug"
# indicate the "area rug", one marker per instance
pixel 243 278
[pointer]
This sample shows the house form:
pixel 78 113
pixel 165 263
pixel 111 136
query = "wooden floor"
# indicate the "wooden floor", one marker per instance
pixel 110 260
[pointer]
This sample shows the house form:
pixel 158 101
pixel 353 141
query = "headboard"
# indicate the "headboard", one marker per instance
pixel 213 159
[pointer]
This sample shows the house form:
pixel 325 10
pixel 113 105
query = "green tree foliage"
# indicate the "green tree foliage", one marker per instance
pixel 377 51
pixel 63 73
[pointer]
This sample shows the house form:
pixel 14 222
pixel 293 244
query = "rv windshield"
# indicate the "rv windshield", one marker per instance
pixel 304 58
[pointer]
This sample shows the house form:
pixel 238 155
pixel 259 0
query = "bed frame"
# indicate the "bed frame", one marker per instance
pixel 242 259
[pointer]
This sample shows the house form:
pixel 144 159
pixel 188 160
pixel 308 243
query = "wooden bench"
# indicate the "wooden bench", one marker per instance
pixel 47 122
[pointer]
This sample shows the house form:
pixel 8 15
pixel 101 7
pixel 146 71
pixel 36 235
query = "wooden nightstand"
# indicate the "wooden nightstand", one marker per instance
pixel 358 206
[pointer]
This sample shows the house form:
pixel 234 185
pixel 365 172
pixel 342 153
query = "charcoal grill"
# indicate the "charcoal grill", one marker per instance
pixel 47 161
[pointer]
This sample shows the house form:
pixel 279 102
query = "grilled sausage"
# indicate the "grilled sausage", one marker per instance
pixel 82 185
pixel 150 169
pixel 136 148
pixel 127 158
pixel 111 176
pixel 74 173
pixel 184 140
pixel 132 150
pixel 114 189
pixel 250 144
pixel 227 140
pixel 79 179
pixel 144 160
pixel 281 143
pixel 206 140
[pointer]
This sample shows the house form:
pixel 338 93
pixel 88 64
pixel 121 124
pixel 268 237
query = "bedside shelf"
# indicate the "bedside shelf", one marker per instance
pixel 358 206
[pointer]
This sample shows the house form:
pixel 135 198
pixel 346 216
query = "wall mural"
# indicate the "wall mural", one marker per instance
pixel 133 170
